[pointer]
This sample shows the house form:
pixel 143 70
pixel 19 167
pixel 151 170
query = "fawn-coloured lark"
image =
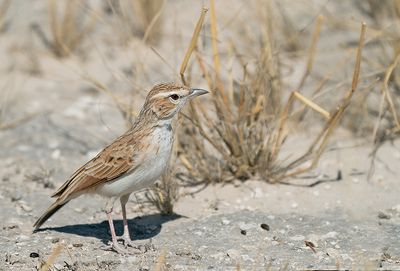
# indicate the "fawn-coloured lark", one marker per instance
pixel 132 162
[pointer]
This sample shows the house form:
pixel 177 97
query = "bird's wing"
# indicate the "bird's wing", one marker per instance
pixel 112 162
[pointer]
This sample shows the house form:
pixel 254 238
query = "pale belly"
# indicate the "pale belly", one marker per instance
pixel 148 171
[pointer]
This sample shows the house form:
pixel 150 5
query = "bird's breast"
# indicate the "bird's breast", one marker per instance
pixel 150 163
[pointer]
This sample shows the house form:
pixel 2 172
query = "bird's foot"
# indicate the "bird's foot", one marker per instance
pixel 126 240
pixel 115 246
pixel 123 249
pixel 140 248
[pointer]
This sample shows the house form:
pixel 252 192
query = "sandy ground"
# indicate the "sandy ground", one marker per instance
pixel 351 222
pixel 330 218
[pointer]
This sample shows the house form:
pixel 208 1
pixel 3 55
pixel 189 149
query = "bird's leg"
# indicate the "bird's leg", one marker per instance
pixel 126 238
pixel 113 245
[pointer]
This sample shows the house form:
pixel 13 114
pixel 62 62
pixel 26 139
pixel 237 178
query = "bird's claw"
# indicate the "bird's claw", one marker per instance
pixel 115 246
pixel 123 249
pixel 126 241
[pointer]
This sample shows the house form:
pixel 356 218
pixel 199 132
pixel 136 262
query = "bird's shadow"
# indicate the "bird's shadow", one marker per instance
pixel 140 228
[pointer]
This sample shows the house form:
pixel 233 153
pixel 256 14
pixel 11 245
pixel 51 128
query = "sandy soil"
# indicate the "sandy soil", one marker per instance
pixel 332 217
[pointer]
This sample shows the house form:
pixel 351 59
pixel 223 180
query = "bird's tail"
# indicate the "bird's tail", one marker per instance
pixel 49 212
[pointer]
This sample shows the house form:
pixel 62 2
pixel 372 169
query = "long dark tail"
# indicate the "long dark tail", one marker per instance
pixel 49 212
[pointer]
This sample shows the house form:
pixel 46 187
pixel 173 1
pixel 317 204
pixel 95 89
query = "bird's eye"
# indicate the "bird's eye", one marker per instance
pixel 174 97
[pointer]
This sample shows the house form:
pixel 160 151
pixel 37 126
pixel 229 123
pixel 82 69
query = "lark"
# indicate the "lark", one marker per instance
pixel 132 162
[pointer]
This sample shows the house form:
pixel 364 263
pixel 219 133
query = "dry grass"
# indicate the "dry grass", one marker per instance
pixel 164 195
pixel 68 28
pixel 45 266
pixel 124 106
pixel 4 6
pixel 384 60
pixel 140 18
pixel 8 92
pixel 149 13
pixel 161 262
pixel 242 133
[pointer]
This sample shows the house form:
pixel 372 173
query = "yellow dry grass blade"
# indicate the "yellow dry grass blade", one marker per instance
pixel 214 35
pixel 388 98
pixel 312 105
pixel 216 58
pixel 19 121
pixel 65 32
pixel 192 44
pixel 161 261
pixel 385 89
pixel 318 146
pixel 312 50
pixel 153 23
pixel 54 254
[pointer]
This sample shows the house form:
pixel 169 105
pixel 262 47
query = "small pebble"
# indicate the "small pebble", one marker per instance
pixel 265 226
pixel 382 215
pixel 225 222
pixel 34 255
pixel 243 232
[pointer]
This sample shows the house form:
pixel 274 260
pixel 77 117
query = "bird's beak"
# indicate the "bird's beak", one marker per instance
pixel 194 92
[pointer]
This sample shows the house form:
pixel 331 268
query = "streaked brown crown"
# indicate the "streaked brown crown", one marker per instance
pixel 165 100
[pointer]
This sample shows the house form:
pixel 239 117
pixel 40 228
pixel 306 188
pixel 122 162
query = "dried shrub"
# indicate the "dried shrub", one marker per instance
pixel 140 18
pixel 164 195
pixel 68 29
pixel 149 13
pixel 242 131
pixel 385 58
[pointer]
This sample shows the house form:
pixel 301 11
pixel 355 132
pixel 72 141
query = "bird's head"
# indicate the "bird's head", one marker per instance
pixel 166 100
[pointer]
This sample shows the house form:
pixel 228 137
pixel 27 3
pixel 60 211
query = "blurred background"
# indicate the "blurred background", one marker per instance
pixel 300 134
